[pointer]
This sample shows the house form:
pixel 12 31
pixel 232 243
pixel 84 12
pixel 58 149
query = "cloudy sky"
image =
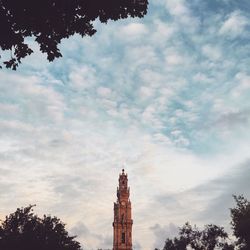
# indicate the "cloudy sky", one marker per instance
pixel 166 97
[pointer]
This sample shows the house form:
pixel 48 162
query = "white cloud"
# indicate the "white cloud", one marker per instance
pixel 16 126
pixel 174 56
pixel 243 84
pixel 176 132
pixel 39 100
pixel 177 8
pixel 152 78
pixel 132 31
pixel 182 141
pixel 202 78
pixel 162 32
pixel 6 108
pixel 182 14
pixel 150 118
pixel 174 59
pixel 212 52
pixel 83 78
pixel 161 138
pixel 141 55
pixel 104 91
pixel 146 92
pixel 234 25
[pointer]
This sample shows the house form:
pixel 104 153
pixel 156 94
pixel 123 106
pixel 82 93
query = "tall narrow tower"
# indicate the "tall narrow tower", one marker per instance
pixel 122 224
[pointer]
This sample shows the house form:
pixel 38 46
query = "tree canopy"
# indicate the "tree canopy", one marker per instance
pixel 241 222
pixel 214 237
pixel 25 230
pixel 49 21
pixel 210 238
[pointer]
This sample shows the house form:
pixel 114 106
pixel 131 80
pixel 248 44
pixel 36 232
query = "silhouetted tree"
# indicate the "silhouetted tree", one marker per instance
pixel 241 222
pixel 210 238
pixel 49 21
pixel 23 230
pixel 214 237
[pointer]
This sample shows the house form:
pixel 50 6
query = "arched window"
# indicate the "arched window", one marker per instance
pixel 123 238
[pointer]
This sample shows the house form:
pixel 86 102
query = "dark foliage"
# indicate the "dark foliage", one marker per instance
pixel 214 237
pixel 241 222
pixel 210 238
pixel 49 21
pixel 23 230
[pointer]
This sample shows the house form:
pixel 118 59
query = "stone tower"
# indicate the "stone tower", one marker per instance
pixel 122 225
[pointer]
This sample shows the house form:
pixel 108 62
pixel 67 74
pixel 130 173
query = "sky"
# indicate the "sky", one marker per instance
pixel 166 97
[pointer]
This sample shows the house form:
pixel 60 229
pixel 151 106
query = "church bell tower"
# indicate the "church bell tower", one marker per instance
pixel 122 225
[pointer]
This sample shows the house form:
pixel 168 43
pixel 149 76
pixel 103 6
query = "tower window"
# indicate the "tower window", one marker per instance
pixel 123 238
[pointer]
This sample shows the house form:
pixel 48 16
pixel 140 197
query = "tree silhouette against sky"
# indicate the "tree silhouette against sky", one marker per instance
pixel 49 21
pixel 23 230
pixel 214 237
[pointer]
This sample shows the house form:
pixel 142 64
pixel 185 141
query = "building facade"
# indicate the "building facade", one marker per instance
pixel 122 225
